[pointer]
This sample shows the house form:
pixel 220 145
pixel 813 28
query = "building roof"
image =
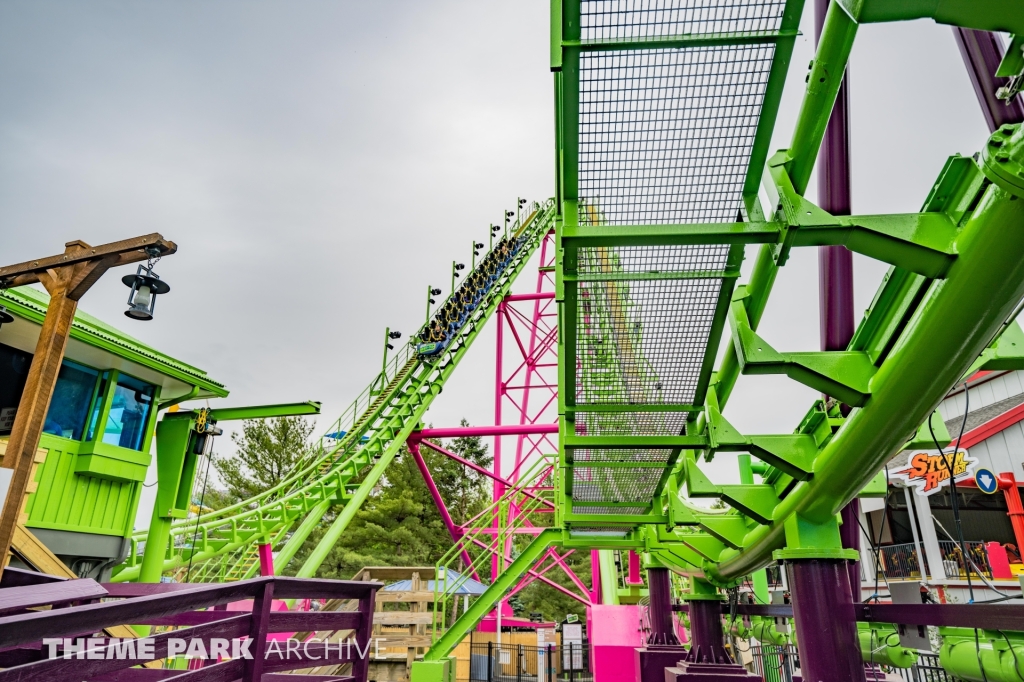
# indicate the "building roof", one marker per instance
pixel 31 304
pixel 977 417
pixel 456 584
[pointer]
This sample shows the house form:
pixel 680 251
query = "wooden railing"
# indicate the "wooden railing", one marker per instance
pixel 62 644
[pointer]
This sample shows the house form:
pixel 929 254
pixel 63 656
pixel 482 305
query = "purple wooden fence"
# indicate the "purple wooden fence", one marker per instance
pixel 30 650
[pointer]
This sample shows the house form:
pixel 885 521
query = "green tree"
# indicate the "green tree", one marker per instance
pixel 466 492
pixel 266 452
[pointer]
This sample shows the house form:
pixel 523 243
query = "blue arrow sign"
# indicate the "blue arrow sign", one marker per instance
pixel 986 480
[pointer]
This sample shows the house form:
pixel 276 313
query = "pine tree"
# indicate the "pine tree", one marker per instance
pixel 267 451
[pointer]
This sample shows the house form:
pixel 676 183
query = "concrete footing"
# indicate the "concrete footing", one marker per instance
pixel 708 672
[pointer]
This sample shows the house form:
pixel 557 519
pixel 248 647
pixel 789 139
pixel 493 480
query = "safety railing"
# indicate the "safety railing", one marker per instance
pixel 776 663
pixel 927 669
pixel 902 561
pixel 954 564
pixel 354 412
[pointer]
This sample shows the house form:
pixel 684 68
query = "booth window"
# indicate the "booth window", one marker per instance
pixel 13 373
pixel 129 413
pixel 75 391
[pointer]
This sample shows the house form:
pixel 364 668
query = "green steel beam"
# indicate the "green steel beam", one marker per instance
pixel 647 407
pixel 681 42
pixel 297 538
pixel 919 242
pixel 651 276
pixel 572 442
pixel 844 375
pixel 505 581
pixel 680 234
pixel 981 291
pixel 984 15
pixel 323 548
pixel 826 75
pixel 788 29
pixel 223 414
pixel 572 519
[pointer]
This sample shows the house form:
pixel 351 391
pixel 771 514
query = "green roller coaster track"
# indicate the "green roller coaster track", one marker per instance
pixel 350 459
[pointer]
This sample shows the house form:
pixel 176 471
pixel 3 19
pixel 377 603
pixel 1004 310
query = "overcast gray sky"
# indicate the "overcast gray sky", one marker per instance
pixel 319 163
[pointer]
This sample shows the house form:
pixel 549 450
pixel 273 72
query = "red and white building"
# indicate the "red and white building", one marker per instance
pixel 916 534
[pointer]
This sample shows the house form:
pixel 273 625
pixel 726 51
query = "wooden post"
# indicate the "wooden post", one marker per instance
pixel 253 668
pixel 66 278
pixel 414 607
pixel 364 635
pixel 35 401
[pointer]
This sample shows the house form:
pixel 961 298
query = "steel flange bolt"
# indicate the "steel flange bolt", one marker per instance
pixel 1003 158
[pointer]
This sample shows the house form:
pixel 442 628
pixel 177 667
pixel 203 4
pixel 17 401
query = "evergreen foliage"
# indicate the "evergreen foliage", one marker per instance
pixel 266 453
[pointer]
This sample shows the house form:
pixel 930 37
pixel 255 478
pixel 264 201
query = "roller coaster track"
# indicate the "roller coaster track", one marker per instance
pixel 348 461
pixel 664 117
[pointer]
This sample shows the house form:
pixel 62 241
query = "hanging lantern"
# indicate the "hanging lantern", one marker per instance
pixel 145 286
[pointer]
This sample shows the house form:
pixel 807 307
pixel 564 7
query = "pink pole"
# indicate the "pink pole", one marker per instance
pixel 453 530
pixel 266 559
pixel 633 577
pixel 499 430
pixel 478 468
pixel 570 573
pixel 595 576
pixel 539 296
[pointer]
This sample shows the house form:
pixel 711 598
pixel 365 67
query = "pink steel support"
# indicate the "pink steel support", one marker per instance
pixel 454 530
pixel 595 577
pixel 266 559
pixel 476 467
pixel 465 431
pixel 633 577
pixel 534 368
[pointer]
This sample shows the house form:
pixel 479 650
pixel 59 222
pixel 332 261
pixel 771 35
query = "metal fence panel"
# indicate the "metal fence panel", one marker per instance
pixel 520 663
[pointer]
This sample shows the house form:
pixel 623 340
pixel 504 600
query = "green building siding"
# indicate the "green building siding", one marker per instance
pixel 68 501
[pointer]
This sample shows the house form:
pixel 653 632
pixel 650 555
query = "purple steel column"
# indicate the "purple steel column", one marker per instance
pixel 707 639
pixel 835 263
pixel 660 589
pixel 982 52
pixel 825 625
pixel 849 535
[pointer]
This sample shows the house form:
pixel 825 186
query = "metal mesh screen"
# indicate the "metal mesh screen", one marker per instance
pixel 665 135
pixel 638 19
pixel 631 423
pixel 710 258
pixel 607 510
pixel 643 342
pixel 618 484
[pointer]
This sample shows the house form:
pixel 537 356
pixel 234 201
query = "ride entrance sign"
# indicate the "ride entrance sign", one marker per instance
pixel 928 471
